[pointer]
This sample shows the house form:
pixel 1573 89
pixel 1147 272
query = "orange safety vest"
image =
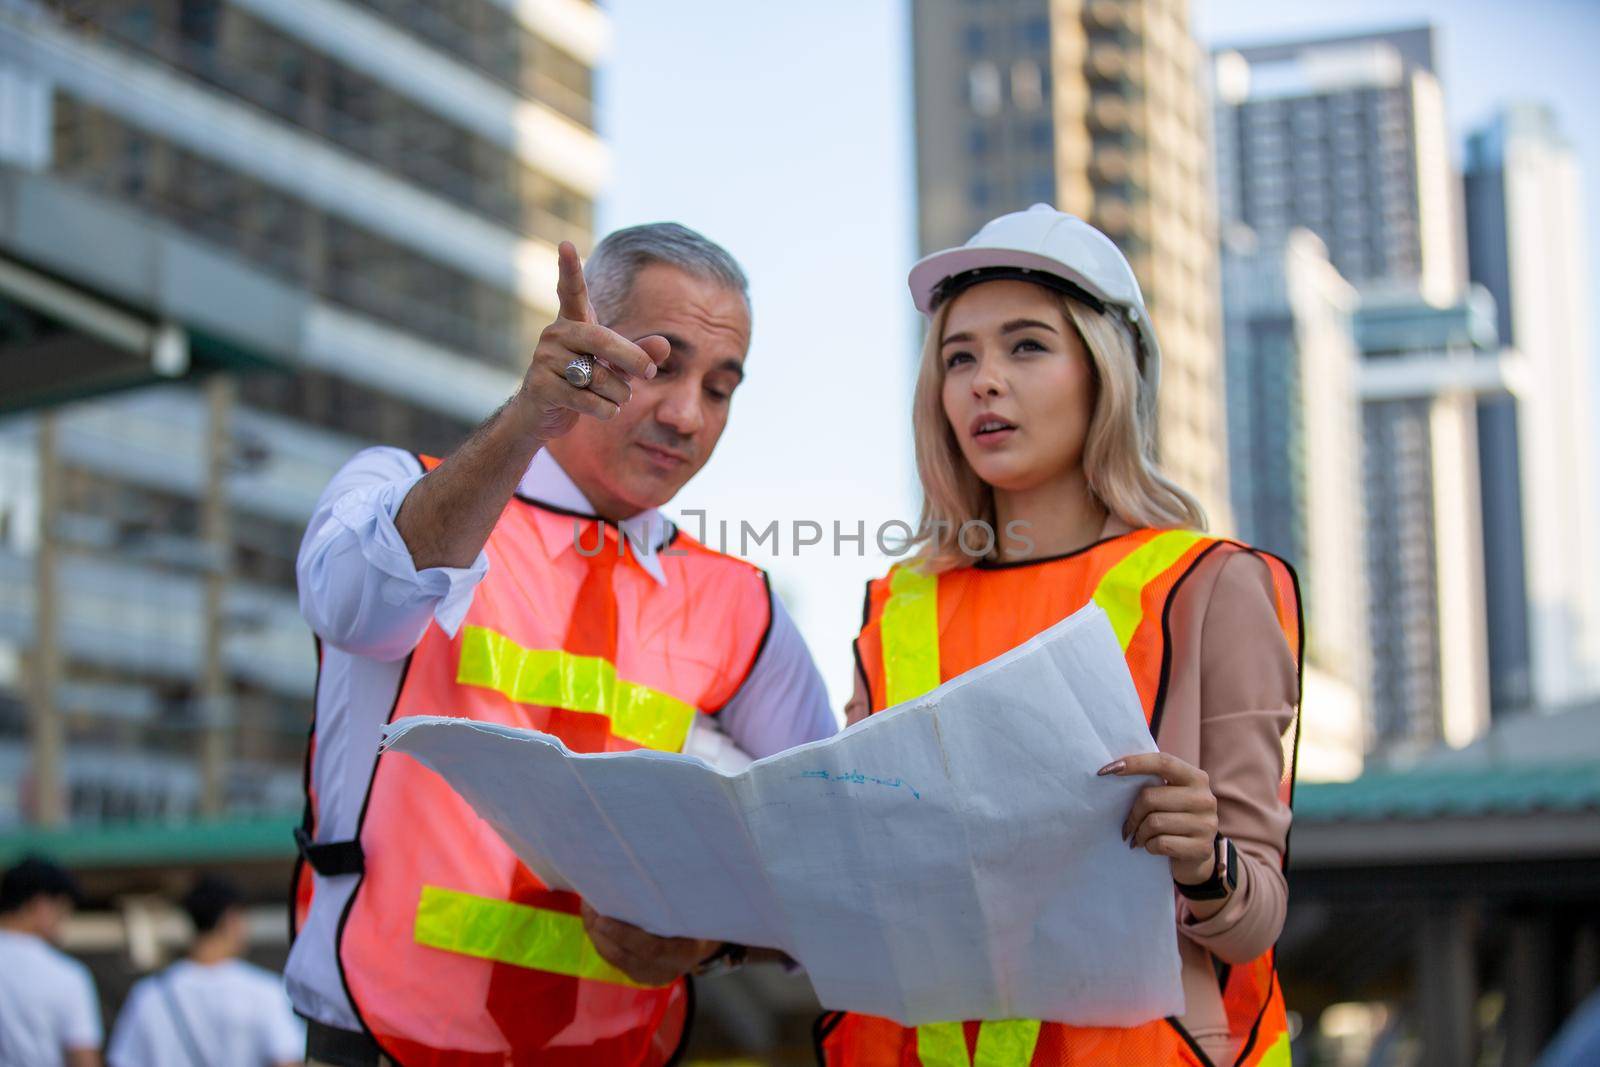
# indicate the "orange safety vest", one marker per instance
pixel 454 954
pixel 920 631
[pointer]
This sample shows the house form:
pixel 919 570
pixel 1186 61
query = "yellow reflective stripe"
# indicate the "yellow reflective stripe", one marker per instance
pixel 1002 1043
pixel 1278 1054
pixel 517 934
pixel 1122 588
pixel 910 635
pixel 1007 1043
pixel 558 679
pixel 942 1045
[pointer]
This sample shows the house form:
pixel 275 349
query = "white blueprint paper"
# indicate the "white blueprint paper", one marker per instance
pixel 954 857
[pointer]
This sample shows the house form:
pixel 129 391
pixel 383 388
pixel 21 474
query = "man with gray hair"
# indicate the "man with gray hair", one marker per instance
pixel 529 579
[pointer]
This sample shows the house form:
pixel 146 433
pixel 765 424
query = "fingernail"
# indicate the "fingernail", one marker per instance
pixel 650 371
pixel 1114 767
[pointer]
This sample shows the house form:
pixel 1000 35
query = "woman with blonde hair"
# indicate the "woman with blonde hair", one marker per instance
pixel 1034 418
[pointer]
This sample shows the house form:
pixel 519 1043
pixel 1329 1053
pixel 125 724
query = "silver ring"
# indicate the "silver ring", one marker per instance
pixel 580 372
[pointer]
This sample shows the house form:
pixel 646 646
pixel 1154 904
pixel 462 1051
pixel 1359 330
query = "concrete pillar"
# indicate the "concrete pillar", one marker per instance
pixel 1533 996
pixel 1583 972
pixel 44 663
pixel 216 705
pixel 1447 984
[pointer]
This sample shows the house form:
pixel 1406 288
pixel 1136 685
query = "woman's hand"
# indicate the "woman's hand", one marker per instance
pixel 1177 819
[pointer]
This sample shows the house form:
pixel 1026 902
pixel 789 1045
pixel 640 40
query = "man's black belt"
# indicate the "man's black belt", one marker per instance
pixel 340 1048
pixel 331 858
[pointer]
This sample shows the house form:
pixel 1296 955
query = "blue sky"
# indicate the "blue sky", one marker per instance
pixel 784 132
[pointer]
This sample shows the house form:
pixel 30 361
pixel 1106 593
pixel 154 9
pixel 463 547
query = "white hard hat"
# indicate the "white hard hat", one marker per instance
pixel 1053 249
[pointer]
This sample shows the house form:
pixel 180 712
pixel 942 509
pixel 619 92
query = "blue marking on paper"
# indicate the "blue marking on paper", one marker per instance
pixel 857 778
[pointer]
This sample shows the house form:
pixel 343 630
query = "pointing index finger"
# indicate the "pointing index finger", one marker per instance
pixel 572 291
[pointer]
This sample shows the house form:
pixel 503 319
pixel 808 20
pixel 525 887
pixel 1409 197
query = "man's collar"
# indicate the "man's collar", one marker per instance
pixel 545 482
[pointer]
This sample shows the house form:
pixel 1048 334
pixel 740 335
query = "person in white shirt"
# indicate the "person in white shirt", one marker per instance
pixel 49 1013
pixel 210 1009
pixel 394 551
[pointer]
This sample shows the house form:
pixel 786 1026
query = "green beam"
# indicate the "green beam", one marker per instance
pixel 157 844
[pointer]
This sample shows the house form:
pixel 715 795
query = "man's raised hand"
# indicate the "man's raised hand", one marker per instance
pixel 553 404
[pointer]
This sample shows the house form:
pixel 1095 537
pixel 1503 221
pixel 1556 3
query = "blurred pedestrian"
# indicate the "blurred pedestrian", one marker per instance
pixel 209 1009
pixel 49 1013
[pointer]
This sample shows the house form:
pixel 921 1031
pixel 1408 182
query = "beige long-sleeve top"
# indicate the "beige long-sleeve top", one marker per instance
pixel 1232 692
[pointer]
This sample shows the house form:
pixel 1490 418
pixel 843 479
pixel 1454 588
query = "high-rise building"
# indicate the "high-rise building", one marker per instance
pixel 1098 107
pixel 1348 138
pixel 1526 245
pixel 1426 369
pixel 1294 435
pixel 326 223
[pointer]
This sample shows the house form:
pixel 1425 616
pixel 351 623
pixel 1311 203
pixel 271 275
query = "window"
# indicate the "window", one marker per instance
pixel 1027 85
pixel 274 71
pixel 983 88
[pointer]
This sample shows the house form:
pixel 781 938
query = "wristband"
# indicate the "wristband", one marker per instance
pixel 1224 874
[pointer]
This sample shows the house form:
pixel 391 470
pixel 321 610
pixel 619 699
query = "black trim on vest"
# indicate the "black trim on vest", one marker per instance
pixel 543 505
pixel 1160 704
pixel 1188 1039
pixel 1008 564
pixel 761 646
pixel 855 644
pixel 861 672
pixel 355 891
pixel 296 869
pixel 308 821
pixel 1255 1029
pixel 557 510
pixel 672 528
pixel 689 1008
pixel 821 1028
pixel 1299 668
pixel 1300 686
pixel 772 615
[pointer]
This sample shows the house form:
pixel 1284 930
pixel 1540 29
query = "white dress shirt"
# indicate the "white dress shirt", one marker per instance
pixel 370 606
pixel 229 1012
